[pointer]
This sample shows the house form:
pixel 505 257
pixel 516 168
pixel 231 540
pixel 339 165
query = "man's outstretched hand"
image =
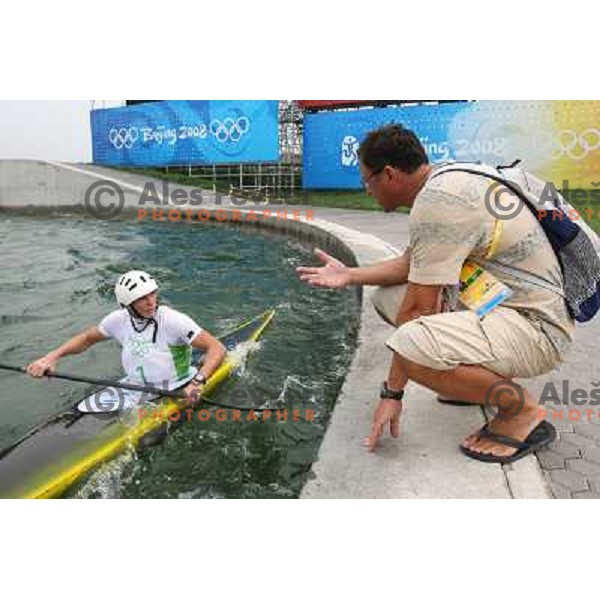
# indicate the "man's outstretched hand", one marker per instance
pixel 334 274
pixel 388 411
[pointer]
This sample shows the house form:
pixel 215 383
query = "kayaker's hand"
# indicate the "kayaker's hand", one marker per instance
pixel 41 366
pixel 334 274
pixel 194 392
pixel 387 411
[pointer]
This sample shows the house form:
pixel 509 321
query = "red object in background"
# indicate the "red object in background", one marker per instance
pixel 324 104
pixel 311 105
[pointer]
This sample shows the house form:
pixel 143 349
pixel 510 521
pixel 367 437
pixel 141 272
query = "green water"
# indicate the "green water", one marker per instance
pixel 57 279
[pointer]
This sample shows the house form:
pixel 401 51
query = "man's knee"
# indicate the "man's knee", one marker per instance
pixel 406 339
pixel 387 301
pixel 383 316
pixel 414 343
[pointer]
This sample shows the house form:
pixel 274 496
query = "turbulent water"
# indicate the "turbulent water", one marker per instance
pixel 57 279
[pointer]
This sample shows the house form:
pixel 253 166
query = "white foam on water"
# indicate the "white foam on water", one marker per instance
pixel 196 494
pixel 292 383
pixel 239 355
pixel 107 481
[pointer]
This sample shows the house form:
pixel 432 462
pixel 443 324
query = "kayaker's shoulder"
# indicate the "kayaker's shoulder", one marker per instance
pixel 119 314
pixel 168 312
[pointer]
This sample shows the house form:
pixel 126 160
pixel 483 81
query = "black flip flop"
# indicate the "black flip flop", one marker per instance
pixel 541 436
pixel 451 402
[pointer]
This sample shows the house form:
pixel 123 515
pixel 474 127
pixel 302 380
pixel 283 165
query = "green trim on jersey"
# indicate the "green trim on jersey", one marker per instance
pixel 182 357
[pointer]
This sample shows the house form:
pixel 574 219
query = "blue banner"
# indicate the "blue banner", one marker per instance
pixel 186 132
pixel 331 139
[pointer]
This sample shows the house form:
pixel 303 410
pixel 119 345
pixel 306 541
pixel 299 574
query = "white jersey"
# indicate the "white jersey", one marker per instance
pixel 165 360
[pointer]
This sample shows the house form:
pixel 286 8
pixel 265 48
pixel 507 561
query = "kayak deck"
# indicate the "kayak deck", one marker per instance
pixel 50 458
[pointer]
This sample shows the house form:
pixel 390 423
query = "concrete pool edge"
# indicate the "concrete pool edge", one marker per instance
pixel 425 461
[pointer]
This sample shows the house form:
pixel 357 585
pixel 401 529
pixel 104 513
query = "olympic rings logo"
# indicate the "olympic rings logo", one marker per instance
pixel 229 129
pixel 570 143
pixel 123 138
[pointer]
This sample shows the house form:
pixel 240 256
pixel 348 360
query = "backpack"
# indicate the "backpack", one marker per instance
pixel 576 246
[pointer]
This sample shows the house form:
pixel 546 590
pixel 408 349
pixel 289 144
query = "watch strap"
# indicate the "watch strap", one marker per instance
pixel 391 394
pixel 199 379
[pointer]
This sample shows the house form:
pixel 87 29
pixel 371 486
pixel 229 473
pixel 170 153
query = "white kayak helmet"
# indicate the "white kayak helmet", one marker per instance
pixel 134 285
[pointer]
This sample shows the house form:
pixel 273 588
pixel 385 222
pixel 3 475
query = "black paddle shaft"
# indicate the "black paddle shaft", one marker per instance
pixel 104 382
pixel 131 386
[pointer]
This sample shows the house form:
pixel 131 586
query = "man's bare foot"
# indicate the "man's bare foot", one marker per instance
pixel 517 427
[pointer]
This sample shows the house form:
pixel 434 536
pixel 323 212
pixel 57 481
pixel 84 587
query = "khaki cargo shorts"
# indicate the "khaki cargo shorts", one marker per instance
pixel 504 341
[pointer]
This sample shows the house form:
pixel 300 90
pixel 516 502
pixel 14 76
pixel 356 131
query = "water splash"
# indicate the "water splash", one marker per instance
pixel 293 386
pixel 107 481
pixel 239 355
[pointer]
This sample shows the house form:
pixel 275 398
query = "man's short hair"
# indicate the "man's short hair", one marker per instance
pixel 395 146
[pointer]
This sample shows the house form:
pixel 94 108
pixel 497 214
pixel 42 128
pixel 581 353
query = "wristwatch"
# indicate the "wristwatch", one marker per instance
pixel 387 393
pixel 199 379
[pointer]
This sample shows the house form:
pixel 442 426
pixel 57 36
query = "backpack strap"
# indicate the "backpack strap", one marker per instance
pixel 498 225
pixel 509 184
pixel 528 277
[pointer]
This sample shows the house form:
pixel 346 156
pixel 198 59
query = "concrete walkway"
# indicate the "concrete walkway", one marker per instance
pixel 425 462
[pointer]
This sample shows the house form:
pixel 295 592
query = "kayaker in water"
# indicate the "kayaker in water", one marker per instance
pixel 156 340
